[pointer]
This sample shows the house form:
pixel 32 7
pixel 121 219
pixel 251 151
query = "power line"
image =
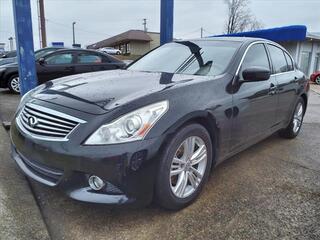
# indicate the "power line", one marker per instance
pixel 78 29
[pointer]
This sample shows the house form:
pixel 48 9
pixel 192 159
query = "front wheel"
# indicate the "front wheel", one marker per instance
pixel 317 80
pixel 184 167
pixel 295 124
pixel 14 84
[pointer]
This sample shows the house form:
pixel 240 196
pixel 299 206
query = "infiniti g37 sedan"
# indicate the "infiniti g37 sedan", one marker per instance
pixel 155 130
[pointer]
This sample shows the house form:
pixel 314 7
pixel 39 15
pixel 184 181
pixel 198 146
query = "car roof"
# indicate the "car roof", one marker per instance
pixel 233 39
pixel 78 50
pixel 83 50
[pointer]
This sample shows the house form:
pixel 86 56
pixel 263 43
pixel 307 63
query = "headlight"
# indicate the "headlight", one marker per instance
pixel 130 127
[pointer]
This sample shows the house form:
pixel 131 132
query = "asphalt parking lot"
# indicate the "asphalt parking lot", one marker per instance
pixel 270 191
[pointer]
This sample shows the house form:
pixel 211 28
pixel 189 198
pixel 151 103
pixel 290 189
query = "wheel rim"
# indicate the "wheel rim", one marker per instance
pixel 15 84
pixel 318 80
pixel 188 167
pixel 297 117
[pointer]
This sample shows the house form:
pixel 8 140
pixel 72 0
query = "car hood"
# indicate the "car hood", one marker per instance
pixel 10 64
pixel 100 92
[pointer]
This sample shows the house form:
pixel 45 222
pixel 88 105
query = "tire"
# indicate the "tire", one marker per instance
pixel 317 80
pixel 292 130
pixel 13 84
pixel 118 53
pixel 169 190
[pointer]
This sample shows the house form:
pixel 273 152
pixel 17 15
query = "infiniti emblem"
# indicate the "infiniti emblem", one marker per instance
pixel 32 121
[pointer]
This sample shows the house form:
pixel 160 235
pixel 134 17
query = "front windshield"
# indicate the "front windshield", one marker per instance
pixel 187 57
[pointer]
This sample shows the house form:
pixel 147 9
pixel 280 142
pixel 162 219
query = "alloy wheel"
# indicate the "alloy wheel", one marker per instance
pixel 15 84
pixel 188 167
pixel 297 117
pixel 318 80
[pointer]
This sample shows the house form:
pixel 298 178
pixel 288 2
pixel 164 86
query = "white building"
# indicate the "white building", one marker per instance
pixel 303 46
pixel 306 53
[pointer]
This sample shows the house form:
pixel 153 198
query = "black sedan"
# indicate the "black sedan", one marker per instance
pixel 156 129
pixel 58 63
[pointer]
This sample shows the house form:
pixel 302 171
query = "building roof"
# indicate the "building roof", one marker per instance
pixel 313 36
pixel 131 35
pixel 280 34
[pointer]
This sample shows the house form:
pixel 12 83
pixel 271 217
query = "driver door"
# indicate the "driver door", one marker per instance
pixel 56 65
pixel 255 102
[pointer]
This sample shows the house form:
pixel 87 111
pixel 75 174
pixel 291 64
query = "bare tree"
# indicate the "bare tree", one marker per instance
pixel 240 17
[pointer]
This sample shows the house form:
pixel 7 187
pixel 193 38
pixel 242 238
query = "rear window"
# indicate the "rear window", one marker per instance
pixel 278 59
pixel 89 58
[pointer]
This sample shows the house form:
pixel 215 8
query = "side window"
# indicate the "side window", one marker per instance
pixel 255 57
pixel 278 59
pixel 89 58
pixel 64 58
pixel 289 61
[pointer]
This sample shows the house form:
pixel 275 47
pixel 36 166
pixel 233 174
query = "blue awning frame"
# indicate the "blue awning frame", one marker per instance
pixel 279 34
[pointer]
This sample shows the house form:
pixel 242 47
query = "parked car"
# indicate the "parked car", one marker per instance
pixel 315 77
pixel 110 50
pixel 60 63
pixel 156 129
pixel 8 57
pixel 12 56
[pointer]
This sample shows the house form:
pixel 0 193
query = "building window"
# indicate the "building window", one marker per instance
pixel 305 61
pixel 317 63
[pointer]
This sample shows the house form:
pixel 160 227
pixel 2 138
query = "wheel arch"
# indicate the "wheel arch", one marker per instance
pixel 8 76
pixel 204 118
pixel 305 99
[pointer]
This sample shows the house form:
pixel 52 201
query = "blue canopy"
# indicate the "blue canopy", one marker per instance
pixel 280 34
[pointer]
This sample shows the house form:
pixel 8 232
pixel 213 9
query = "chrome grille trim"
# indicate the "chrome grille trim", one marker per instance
pixel 51 125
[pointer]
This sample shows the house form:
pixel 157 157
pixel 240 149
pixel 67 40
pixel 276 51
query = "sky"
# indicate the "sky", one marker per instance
pixel 99 19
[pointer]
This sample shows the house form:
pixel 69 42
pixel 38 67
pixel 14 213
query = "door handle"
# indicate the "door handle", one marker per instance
pixel 272 89
pixel 69 68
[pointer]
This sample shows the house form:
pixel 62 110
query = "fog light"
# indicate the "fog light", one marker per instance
pixel 96 183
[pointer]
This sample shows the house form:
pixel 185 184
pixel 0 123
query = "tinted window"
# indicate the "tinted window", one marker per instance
pixel 89 58
pixel 186 57
pixel 278 60
pixel 11 54
pixel 256 57
pixel 64 58
pixel 289 62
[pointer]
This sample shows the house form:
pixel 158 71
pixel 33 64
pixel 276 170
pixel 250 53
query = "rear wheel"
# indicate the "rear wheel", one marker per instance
pixel 295 124
pixel 317 80
pixel 184 167
pixel 14 84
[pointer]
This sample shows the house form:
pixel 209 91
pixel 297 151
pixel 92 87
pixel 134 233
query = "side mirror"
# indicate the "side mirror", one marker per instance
pixel 256 74
pixel 41 61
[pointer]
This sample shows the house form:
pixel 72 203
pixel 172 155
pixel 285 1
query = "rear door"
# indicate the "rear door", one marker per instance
pixel 287 79
pixel 254 102
pixel 56 65
pixel 92 62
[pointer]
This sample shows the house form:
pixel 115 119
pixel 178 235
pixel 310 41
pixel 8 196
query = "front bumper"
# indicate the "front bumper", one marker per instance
pixel 128 169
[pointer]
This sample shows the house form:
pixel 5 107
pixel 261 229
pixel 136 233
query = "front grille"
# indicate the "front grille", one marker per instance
pixel 42 122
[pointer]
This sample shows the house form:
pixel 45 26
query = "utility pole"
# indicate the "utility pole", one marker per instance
pixel 11 43
pixel 201 32
pixel 74 35
pixel 42 24
pixel 145 25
